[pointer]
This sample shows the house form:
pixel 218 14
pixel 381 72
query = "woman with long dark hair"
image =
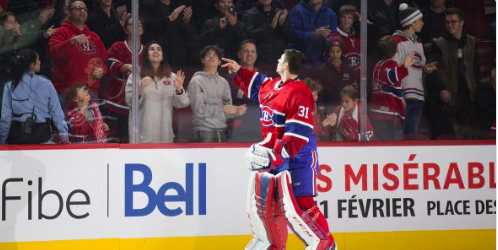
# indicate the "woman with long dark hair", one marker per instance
pixel 159 91
pixel 30 104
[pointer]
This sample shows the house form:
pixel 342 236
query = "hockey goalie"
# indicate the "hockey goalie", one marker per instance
pixel 285 163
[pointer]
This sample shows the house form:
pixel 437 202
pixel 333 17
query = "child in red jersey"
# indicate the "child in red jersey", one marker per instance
pixel 85 123
pixel 388 105
pixel 344 122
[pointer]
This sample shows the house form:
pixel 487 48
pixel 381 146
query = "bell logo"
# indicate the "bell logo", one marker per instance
pixel 160 199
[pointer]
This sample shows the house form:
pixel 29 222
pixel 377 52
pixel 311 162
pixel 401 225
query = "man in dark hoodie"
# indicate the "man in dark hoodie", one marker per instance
pixel 457 57
pixel 313 21
pixel 79 54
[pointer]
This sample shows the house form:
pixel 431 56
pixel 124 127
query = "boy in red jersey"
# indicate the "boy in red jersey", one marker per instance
pixel 388 105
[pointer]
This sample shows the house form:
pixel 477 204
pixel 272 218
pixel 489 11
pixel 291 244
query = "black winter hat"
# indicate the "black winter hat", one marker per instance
pixel 408 15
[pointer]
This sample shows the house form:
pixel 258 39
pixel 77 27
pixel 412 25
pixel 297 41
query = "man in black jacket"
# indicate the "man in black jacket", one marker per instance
pixel 226 31
pixel 104 21
pixel 270 28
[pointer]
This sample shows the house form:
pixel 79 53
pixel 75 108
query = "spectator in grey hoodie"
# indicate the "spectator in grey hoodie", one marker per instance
pixel 210 98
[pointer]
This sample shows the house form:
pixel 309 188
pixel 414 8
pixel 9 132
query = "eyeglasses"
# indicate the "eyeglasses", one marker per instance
pixel 452 22
pixel 129 24
pixel 80 9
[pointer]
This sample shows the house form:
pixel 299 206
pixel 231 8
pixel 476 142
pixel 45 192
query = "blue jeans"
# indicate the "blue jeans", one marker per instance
pixel 413 113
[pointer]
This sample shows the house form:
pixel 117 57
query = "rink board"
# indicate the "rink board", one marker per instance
pixel 399 196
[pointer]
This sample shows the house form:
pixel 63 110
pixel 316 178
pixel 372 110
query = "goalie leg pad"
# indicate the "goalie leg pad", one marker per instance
pixel 305 224
pixel 260 240
pixel 269 224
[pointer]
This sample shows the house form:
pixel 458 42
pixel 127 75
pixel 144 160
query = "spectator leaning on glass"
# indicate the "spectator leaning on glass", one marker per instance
pixel 211 99
pixel 159 91
pixel 79 54
pixel 30 104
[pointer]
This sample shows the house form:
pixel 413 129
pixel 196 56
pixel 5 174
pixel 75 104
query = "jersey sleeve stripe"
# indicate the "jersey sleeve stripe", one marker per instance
pixel 392 75
pixel 297 136
pixel 392 90
pixel 299 122
pixel 255 85
pixel 298 129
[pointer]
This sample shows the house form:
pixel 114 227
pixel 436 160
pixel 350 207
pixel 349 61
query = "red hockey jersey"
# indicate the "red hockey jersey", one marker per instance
pixel 286 109
pixel 118 55
pixel 350 122
pixel 351 50
pixel 387 99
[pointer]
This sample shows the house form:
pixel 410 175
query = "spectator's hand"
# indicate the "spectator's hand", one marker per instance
pixel 174 15
pixel 187 15
pixel 230 109
pixel 232 20
pixel 347 133
pixel 46 14
pixel 120 10
pixel 233 66
pixel 274 21
pixel 409 59
pixel 331 120
pixel 180 78
pixel 282 17
pixel 145 82
pixel 122 19
pixel 404 103
pixel 223 23
pixel 50 31
pixel 80 39
pixel 431 67
pixel 97 73
pixel 17 30
pixel 125 68
pixel 323 31
pixel 445 96
pixel 65 142
pixel 241 110
pixel 235 110
pixel 106 127
pixel 427 48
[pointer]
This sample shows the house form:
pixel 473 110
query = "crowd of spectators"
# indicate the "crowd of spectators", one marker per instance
pixel 65 65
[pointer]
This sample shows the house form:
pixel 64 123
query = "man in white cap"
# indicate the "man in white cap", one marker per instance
pixel 413 89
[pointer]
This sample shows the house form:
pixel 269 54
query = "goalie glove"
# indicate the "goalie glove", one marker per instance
pixel 259 157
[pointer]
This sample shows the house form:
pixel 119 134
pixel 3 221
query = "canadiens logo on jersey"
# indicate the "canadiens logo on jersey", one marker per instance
pixel 87 49
pixel 354 60
pixel 267 116
pixel 417 61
